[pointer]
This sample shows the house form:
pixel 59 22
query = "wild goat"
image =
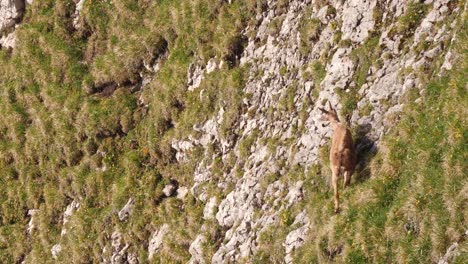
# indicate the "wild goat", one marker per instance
pixel 342 152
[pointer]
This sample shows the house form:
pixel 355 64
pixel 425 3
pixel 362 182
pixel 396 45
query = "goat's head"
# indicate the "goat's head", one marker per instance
pixel 329 115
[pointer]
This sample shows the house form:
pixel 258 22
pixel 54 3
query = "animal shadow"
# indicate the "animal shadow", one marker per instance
pixel 366 150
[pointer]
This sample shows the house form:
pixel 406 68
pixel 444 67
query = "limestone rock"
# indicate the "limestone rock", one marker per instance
pixel 56 249
pixel 10 12
pixel 296 237
pixel 452 251
pixel 194 76
pixel 210 208
pixel 31 225
pixel 196 250
pixel 182 192
pixel 120 254
pixel 358 19
pixel 74 205
pixel 76 15
pixel 156 241
pixel 251 207
pixel 8 40
pixel 169 190
pixel 126 211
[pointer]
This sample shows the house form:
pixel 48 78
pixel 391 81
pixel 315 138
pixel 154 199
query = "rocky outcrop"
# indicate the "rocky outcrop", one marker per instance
pixel 296 237
pixel 71 208
pixel 119 251
pixel 277 71
pixel 196 250
pixel 127 210
pixel 31 225
pixel 11 12
pixel 76 15
pixel 156 240
pixel 453 251
pixel 359 19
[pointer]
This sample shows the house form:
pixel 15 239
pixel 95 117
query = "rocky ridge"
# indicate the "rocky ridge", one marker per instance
pixel 11 12
pixel 267 54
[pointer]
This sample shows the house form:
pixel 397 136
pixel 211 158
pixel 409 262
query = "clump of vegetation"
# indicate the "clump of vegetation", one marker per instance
pixel 363 57
pixel 309 29
pixel 407 23
pixel 366 109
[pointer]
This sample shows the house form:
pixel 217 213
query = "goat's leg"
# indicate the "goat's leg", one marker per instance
pixel 335 176
pixel 347 178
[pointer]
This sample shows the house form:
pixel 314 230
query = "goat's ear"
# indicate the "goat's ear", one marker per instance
pixel 323 110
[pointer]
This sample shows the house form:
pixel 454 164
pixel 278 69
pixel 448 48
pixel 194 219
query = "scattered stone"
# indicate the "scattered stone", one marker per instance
pixel 452 251
pixel 8 40
pixel 126 211
pixel 295 193
pixel 120 253
pixel 296 237
pixel 76 15
pixel 169 190
pixel 56 249
pixel 31 225
pixel 195 76
pixel 211 66
pixel 196 250
pixel 74 205
pixel 156 241
pixel 182 192
pixel 10 12
pixel 358 20
pixel 210 207
pixel 448 61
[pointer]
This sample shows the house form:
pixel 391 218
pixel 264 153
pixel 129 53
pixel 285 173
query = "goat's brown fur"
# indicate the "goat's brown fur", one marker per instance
pixel 342 152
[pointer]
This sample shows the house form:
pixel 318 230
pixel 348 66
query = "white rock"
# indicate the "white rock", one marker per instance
pixel 8 40
pixel 10 12
pixel 358 19
pixel 74 205
pixel 169 190
pixel 211 66
pixel 31 225
pixel 296 237
pixel 195 75
pixel 76 15
pixel 156 241
pixel 196 250
pixel 126 211
pixel 451 252
pixel 210 207
pixel 56 249
pixel 182 192
pixel 448 61
pixel 295 193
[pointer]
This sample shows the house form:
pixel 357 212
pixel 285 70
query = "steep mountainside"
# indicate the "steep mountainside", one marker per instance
pixel 171 131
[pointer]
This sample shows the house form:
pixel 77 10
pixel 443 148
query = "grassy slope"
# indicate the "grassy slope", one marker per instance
pixel 52 125
pixel 51 128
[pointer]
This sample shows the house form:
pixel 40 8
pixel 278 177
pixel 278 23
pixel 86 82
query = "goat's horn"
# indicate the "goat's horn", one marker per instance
pixel 329 104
